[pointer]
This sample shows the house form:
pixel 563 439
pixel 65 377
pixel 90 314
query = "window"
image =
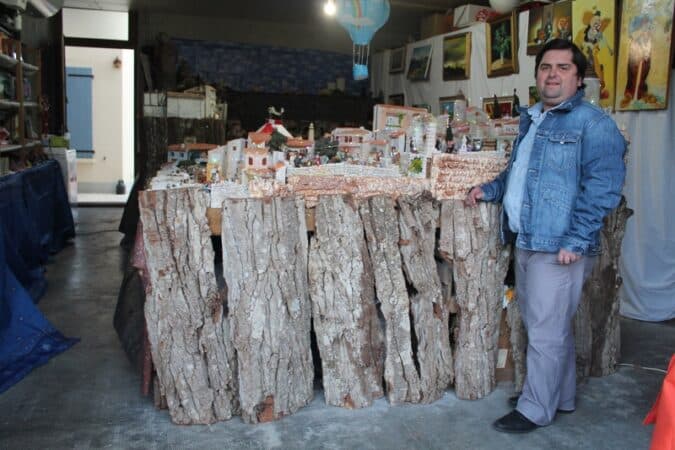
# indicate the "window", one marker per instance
pixel 264 161
pixel 250 160
pixel 79 81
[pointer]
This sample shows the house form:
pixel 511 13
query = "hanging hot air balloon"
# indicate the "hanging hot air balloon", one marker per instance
pixel 362 18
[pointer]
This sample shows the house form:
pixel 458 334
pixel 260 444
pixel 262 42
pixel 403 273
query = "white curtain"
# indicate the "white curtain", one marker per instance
pixel 648 252
pixel 648 256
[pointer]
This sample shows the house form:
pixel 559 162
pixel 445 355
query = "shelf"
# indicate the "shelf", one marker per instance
pixel 7 62
pixel 30 104
pixel 9 147
pixel 8 104
pixel 29 68
pixel 6 148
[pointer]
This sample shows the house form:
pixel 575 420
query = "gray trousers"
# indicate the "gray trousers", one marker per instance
pixel 548 295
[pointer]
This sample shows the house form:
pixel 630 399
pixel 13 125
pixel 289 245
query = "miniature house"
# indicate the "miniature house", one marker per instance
pixel 351 141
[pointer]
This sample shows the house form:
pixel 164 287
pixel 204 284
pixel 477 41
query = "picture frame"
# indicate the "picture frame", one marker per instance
pixel 533 95
pixel 446 105
pixel 420 61
pixel 422 106
pixel 396 100
pixel 550 22
pixel 457 57
pixel 595 35
pixel 397 60
pixel 505 103
pixel 502 46
pixel 643 69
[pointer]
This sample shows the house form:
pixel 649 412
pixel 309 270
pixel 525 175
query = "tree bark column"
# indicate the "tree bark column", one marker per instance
pixel 187 327
pixel 470 241
pixel 597 332
pixel 430 310
pixel 265 268
pixel 380 220
pixel 346 323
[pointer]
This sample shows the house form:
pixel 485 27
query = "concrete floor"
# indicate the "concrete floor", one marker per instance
pixel 88 397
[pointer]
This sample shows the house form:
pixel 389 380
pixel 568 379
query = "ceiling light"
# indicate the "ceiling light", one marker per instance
pixel 329 8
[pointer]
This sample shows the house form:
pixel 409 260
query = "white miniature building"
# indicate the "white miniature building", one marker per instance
pixel 352 141
pixel 232 158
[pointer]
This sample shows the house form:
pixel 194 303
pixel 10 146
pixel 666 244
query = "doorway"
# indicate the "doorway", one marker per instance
pixel 100 117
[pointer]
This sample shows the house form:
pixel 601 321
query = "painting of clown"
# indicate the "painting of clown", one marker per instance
pixel 594 24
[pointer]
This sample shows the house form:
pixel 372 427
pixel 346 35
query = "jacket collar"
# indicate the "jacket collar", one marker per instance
pixel 571 102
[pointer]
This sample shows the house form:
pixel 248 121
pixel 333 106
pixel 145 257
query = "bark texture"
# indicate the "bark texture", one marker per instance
pixel 187 327
pixel 597 321
pixel 518 339
pixel 265 268
pixel 380 221
pixel 470 240
pixel 429 308
pixel 346 323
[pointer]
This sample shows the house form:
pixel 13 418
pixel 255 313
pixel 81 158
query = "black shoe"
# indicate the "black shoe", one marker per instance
pixel 514 422
pixel 513 402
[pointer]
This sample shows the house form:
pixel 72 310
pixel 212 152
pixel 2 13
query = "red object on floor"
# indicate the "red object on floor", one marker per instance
pixel 663 413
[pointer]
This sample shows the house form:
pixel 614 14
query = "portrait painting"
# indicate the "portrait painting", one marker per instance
pixel 594 23
pixel 397 60
pixel 457 57
pixel 505 104
pixel 502 46
pixel 396 99
pixel 643 65
pixel 420 60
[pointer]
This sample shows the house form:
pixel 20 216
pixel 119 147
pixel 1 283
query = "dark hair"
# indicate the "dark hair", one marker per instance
pixel 578 57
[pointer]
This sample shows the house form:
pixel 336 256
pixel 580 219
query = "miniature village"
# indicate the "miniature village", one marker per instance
pixel 408 146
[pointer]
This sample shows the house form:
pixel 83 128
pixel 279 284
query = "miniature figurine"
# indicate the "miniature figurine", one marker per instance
pixel 515 109
pixel 496 111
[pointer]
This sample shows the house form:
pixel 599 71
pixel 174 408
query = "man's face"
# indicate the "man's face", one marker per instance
pixel 557 77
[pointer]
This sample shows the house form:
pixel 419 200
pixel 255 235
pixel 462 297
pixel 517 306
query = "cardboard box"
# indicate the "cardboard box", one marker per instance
pixel 466 15
pixel 434 24
pixel 504 367
pixel 67 159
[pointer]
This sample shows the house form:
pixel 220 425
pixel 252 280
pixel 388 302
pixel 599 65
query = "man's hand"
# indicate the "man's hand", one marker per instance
pixel 567 257
pixel 475 194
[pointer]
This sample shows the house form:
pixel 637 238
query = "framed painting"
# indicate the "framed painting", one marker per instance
pixel 446 105
pixel 595 35
pixel 422 106
pixel 397 60
pixel 457 57
pixel 533 94
pixel 396 100
pixel 420 60
pixel 505 104
pixel 549 22
pixel 643 67
pixel 502 49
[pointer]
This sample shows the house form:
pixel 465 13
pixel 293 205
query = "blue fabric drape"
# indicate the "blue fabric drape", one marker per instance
pixel 35 220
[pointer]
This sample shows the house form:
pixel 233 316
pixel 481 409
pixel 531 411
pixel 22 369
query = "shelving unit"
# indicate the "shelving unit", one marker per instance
pixel 19 102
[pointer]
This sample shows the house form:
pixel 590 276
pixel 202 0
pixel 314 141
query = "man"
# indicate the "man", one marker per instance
pixel 565 174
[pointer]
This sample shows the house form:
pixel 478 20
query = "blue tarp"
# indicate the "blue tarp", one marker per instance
pixel 35 220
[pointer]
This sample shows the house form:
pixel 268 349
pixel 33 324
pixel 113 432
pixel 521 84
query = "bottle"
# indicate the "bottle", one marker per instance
pixel 120 189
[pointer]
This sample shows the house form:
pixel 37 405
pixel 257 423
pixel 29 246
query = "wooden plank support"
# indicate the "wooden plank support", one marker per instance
pixel 346 323
pixel 470 240
pixel 265 267
pixel 187 326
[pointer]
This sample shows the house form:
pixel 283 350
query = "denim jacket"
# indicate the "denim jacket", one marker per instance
pixel 574 179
